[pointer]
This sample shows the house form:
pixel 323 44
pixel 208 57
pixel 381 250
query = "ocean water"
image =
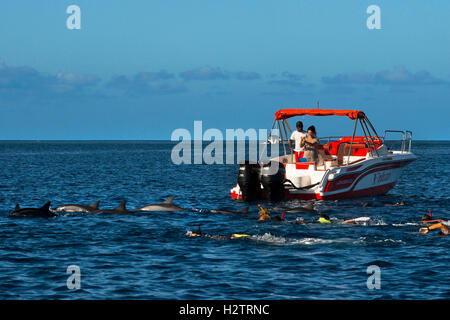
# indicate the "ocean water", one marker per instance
pixel 149 256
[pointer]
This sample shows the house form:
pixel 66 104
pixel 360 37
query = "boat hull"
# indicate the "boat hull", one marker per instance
pixel 368 178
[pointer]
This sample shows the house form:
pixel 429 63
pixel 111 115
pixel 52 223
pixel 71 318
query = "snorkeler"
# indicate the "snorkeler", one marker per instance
pixel 199 233
pixel 428 218
pixel 444 226
pixel 264 215
pixel 324 218
pixel 359 220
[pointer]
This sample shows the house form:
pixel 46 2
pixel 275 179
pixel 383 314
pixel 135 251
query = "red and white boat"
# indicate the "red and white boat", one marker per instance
pixel 354 166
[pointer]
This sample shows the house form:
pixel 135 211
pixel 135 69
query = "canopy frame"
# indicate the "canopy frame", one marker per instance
pixel 356 115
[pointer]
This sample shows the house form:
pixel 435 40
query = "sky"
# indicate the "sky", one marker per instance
pixel 141 69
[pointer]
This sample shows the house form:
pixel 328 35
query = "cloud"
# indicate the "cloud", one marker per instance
pixel 146 83
pixel 204 73
pixel 288 79
pixel 242 75
pixel 397 76
pixel 26 81
pixel 78 80
pixel 153 76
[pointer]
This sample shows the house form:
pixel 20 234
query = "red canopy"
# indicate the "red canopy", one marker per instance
pixel 288 113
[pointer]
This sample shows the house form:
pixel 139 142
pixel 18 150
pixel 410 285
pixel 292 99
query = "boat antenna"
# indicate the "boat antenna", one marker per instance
pixel 318 107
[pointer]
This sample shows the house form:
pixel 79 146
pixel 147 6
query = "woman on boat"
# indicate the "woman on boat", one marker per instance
pixel 310 144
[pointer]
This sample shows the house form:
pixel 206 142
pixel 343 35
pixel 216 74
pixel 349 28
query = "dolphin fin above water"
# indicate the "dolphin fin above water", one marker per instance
pixel 166 206
pixel 120 209
pixel 122 206
pixel 169 200
pixel 94 205
pixel 79 207
pixel 43 212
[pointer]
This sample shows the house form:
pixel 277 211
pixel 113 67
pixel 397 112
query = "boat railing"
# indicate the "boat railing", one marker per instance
pixel 406 138
pixel 329 139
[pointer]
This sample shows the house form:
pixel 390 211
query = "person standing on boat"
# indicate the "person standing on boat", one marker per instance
pixel 297 137
pixel 310 145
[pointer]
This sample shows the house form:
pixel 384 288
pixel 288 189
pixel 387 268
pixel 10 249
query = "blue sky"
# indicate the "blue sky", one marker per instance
pixel 140 69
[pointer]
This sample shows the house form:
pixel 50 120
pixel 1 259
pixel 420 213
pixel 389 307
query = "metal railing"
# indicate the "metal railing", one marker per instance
pixel 407 136
pixel 331 138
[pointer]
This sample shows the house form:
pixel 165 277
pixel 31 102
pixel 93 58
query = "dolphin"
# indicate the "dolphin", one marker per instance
pixel 43 212
pixel 79 207
pixel 224 211
pixel 120 209
pixel 306 208
pixel 165 206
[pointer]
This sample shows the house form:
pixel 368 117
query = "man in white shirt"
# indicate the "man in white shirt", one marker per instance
pixel 297 136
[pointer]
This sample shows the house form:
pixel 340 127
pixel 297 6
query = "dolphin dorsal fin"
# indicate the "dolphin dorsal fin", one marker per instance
pixel 95 204
pixel 169 200
pixel 245 210
pixel 122 206
pixel 46 206
pixel 309 205
pixel 17 207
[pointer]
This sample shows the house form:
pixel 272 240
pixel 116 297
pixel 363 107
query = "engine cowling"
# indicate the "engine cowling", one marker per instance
pixel 273 175
pixel 249 181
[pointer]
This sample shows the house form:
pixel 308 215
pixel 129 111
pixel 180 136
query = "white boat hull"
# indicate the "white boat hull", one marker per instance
pixel 369 177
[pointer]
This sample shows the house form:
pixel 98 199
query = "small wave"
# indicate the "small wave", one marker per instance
pixel 378 222
pixel 269 238
pixel 364 240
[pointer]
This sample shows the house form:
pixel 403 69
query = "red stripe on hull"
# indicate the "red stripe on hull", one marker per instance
pixel 373 191
pixel 346 180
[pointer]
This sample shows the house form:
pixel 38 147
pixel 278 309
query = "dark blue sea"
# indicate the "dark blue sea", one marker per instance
pixel 149 256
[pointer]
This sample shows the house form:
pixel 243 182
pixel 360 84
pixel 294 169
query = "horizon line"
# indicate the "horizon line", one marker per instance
pixel 161 140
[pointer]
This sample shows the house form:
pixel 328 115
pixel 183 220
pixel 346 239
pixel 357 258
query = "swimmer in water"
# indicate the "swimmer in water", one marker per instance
pixel 300 220
pixel 199 233
pixel 361 221
pixel 324 218
pixel 428 218
pixel 264 215
pixel 443 226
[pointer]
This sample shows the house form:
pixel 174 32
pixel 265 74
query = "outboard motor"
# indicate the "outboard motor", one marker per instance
pixel 249 181
pixel 273 175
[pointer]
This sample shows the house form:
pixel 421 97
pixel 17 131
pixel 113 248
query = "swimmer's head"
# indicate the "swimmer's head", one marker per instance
pixel 263 211
pixel 264 214
pixel 192 234
pixel 324 218
pixel 426 217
